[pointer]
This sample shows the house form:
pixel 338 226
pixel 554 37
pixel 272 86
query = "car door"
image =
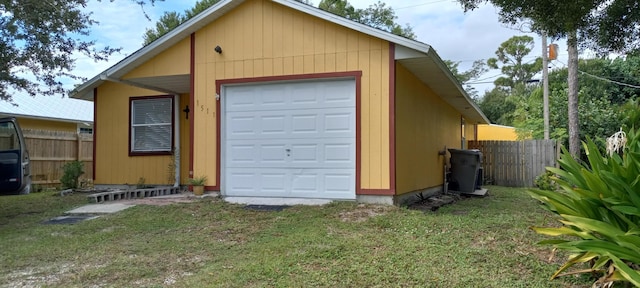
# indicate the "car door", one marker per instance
pixel 15 176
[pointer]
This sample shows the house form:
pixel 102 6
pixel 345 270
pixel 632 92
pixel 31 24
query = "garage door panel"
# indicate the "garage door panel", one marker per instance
pixel 272 154
pixel 338 153
pixel 336 123
pixel 290 140
pixel 310 123
pixel 285 96
pixel 242 154
pixel 273 124
pixel 241 126
pixel 324 183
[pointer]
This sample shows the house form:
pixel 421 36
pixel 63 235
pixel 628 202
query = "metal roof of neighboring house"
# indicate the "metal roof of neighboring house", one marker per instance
pixel 48 107
pixel 417 57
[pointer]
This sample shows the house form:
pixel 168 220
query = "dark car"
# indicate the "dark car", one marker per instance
pixel 15 173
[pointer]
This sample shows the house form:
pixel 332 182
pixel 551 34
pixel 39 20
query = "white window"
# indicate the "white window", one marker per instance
pixel 151 125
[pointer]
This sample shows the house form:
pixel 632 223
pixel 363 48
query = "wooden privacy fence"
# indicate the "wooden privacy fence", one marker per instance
pixel 50 150
pixel 515 163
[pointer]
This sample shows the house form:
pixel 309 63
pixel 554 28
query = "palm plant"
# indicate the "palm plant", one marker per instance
pixel 599 207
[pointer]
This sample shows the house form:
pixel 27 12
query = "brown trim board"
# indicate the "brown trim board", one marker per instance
pixel 95 126
pixel 392 118
pixel 192 101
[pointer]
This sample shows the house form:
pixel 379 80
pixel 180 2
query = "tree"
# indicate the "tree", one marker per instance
pixel 605 106
pixel 510 56
pixel 558 19
pixel 615 27
pixel 378 15
pixel 477 69
pixel 498 106
pixel 38 42
pixel 170 20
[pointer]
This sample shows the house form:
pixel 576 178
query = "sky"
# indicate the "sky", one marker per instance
pixel 455 35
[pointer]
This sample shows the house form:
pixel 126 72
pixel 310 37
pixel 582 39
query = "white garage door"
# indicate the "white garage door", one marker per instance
pixel 293 139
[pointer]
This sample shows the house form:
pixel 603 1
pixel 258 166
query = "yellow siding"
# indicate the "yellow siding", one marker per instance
pixel 470 131
pixel 184 140
pixel 261 38
pixel 113 163
pixel 496 132
pixel 49 125
pixel 173 61
pixel 424 126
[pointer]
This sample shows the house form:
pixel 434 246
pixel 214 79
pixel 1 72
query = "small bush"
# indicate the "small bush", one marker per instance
pixel 72 172
pixel 545 182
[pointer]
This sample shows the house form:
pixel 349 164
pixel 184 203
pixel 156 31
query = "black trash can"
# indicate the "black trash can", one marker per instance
pixel 466 170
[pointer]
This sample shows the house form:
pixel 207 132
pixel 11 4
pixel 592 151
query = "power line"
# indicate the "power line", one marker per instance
pixel 604 79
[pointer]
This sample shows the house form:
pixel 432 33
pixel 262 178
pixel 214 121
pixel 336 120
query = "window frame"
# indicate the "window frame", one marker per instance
pixel 133 152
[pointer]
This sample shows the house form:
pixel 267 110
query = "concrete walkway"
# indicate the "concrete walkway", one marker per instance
pixel 185 197
pixel 106 208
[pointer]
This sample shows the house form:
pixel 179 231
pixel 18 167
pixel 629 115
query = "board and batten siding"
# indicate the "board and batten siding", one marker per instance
pixel 260 38
pixel 425 124
pixel 112 160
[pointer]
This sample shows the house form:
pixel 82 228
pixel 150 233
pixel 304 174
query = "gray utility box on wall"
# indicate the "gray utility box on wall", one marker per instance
pixel 466 170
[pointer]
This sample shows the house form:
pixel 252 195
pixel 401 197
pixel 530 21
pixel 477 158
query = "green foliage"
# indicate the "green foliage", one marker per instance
pixel 198 181
pixel 41 41
pixel 170 20
pixel 498 107
pixel 478 68
pixel 545 181
pixel 510 60
pixel 601 107
pixel 71 173
pixel 599 207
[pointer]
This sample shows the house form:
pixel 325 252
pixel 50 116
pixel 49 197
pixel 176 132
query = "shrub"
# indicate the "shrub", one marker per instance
pixel 71 173
pixel 545 181
pixel 599 207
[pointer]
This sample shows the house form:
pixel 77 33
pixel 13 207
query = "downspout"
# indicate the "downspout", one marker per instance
pixel 176 137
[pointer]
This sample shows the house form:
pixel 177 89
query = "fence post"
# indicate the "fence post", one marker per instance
pixel 79 146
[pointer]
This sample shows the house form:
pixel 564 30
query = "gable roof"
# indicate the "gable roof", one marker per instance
pixel 416 56
pixel 48 108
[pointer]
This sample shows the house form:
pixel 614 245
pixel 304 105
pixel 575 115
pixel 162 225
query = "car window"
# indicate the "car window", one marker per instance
pixel 9 137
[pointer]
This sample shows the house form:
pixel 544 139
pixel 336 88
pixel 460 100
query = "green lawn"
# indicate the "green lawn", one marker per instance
pixel 476 242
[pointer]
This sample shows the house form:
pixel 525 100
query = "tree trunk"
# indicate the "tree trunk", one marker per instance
pixel 572 94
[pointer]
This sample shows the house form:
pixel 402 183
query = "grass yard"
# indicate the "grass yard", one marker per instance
pixel 476 242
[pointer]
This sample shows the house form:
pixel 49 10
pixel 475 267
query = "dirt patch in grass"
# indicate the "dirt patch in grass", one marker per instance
pixel 433 203
pixel 363 212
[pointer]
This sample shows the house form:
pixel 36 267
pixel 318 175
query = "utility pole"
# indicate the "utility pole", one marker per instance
pixel 545 84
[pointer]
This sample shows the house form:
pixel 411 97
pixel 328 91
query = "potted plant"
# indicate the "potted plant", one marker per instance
pixel 197 184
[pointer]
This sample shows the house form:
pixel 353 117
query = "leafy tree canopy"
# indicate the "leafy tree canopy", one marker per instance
pixel 38 39
pixel 378 15
pixel 478 68
pixel 510 60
